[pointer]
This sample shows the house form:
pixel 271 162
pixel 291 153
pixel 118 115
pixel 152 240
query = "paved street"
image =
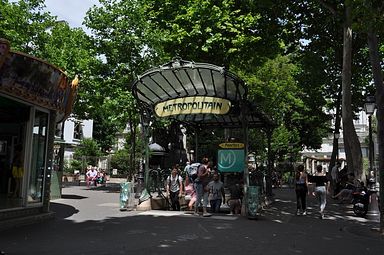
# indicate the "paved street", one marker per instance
pixel 88 221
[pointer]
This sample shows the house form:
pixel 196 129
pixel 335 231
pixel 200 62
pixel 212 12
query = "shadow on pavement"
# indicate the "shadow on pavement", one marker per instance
pixel 70 196
pixel 278 231
pixel 62 211
pixel 283 210
pixel 110 187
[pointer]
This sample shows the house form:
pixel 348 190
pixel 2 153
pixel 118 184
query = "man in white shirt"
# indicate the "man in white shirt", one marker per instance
pixel 91 176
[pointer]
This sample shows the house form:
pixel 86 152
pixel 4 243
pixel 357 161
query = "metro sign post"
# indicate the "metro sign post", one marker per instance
pixel 230 157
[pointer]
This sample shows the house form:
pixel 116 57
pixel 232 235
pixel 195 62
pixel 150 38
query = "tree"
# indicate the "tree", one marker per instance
pixel 351 141
pixel 275 86
pixel 24 24
pixel 89 151
pixel 119 35
pixel 369 16
pixel 120 161
pixel 226 33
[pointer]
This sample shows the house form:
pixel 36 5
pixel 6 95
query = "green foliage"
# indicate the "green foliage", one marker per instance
pixel 121 40
pixel 120 161
pixel 71 166
pixel 228 33
pixel 297 112
pixel 24 24
pixel 89 150
pixel 252 38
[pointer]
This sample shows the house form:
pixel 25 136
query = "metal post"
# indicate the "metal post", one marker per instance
pixel 369 107
pixel 244 122
pixel 146 165
pixel 196 142
pixel 370 151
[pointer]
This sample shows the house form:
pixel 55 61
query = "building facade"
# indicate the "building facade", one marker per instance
pixel 323 155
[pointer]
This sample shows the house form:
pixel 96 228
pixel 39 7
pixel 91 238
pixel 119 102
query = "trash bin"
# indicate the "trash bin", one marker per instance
pixel 127 196
pixel 253 201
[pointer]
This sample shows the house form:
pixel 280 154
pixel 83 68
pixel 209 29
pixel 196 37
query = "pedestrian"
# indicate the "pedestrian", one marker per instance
pixel 91 176
pixel 216 193
pixel 345 194
pixel 201 184
pixel 335 177
pixel 321 188
pixel 235 199
pixel 190 193
pixel 301 189
pixel 175 188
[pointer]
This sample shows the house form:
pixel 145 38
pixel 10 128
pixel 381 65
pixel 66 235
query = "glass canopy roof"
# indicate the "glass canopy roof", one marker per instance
pixel 179 84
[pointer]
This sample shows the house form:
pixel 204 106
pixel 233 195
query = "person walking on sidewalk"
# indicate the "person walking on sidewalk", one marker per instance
pixel 321 188
pixel 201 188
pixel 175 188
pixel 216 193
pixel 301 189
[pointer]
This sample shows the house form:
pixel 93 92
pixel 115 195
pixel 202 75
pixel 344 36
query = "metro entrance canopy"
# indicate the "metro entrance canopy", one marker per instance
pixel 198 94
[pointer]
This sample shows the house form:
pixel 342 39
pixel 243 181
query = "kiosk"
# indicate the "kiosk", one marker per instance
pixel 34 97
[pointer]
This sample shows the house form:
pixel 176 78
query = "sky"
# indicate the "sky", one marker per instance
pixel 72 11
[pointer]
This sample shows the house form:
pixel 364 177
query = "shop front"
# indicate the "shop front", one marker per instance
pixel 34 97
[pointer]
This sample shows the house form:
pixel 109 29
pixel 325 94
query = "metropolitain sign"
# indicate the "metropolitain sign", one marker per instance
pixel 193 105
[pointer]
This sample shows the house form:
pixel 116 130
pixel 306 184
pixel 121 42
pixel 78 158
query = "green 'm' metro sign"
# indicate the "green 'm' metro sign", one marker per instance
pixel 230 160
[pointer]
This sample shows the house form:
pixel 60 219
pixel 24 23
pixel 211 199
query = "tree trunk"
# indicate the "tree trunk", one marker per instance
pixel 378 80
pixel 351 141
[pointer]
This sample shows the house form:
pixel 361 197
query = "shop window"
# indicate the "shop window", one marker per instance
pixel 59 130
pixel 38 161
pixel 78 131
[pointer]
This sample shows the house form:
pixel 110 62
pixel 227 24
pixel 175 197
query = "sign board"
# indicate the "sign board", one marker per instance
pixel 231 145
pixel 230 160
pixel 193 105
pixel 35 81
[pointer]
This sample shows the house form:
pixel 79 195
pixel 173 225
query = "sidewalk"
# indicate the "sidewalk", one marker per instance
pixel 284 208
pixel 88 221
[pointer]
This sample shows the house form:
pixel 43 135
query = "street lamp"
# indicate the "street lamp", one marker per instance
pixel 369 107
pixel 181 146
pixel 191 158
pixel 143 174
pixel 337 136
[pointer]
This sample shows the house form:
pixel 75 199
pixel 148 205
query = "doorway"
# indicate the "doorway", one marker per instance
pixel 14 117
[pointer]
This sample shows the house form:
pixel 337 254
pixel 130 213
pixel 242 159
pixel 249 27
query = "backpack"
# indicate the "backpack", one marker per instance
pixel 192 171
pixel 177 179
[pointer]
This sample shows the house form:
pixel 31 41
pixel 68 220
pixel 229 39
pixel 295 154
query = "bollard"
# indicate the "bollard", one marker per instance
pixel 373 207
pixel 253 202
pixel 127 196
